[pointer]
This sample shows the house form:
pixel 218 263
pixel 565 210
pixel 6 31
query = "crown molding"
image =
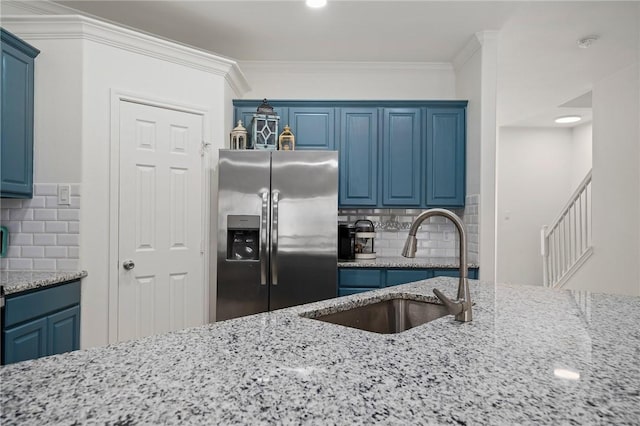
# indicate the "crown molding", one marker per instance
pixel 342 66
pixel 40 7
pixel 475 43
pixel 56 27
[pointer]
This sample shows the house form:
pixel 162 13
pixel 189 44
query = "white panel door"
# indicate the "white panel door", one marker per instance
pixel 160 221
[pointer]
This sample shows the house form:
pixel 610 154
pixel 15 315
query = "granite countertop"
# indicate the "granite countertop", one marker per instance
pixel 404 262
pixel 18 281
pixel 281 368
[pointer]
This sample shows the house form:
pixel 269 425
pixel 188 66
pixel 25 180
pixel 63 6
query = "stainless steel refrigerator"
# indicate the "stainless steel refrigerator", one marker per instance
pixel 277 230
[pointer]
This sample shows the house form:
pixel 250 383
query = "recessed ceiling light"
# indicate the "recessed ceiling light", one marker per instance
pixel 568 119
pixel 316 3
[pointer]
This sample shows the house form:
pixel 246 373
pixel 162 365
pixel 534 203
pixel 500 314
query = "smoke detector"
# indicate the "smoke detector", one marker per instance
pixel 587 41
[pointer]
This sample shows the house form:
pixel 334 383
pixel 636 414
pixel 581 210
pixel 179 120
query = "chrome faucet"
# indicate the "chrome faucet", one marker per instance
pixel 461 307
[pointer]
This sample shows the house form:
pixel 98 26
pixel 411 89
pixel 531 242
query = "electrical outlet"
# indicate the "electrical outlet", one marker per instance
pixel 64 194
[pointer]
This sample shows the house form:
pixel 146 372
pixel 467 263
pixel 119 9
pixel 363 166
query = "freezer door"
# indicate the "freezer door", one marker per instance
pixel 243 215
pixel 304 196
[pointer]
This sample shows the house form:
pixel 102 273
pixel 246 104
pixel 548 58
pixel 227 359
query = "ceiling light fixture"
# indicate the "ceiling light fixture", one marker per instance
pixel 568 119
pixel 316 3
pixel 587 41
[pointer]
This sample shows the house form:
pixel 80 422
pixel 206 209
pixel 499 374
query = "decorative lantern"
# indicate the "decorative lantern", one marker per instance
pixel 286 141
pixel 239 137
pixel 265 127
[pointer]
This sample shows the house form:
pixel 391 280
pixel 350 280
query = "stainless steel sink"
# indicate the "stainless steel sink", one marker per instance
pixel 388 316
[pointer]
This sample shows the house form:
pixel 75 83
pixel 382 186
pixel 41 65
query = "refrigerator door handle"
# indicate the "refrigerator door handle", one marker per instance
pixel 274 237
pixel 263 238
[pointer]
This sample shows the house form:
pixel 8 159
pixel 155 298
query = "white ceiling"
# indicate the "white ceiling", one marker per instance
pixel 540 65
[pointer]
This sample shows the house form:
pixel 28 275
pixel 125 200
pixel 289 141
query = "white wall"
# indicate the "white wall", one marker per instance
pixel 476 81
pixel 614 266
pixel 534 183
pixel 75 86
pixel 581 158
pixel 286 80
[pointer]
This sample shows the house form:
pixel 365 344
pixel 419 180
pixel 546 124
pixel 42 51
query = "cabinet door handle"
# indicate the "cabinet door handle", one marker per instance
pixel 128 265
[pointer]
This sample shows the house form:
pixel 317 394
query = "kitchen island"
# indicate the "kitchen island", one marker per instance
pixel 530 356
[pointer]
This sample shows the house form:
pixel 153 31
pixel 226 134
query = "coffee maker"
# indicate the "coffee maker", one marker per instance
pixel 346 242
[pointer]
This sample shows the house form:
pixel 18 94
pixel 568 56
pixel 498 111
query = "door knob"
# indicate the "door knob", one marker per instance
pixel 128 265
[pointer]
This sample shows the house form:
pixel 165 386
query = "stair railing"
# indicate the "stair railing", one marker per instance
pixel 566 243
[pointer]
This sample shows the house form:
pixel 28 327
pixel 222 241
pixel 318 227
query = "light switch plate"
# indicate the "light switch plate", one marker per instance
pixel 64 194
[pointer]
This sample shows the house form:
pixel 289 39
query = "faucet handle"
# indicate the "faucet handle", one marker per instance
pixel 454 307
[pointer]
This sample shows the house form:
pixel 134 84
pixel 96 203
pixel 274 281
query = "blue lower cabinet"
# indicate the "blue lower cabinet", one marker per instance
pixel 403 276
pixel 63 331
pixel 358 280
pixel 346 291
pixel 28 341
pixel 360 277
pixel 41 323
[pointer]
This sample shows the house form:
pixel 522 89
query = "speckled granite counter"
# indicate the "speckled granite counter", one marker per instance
pixel 18 281
pixel 279 368
pixel 404 262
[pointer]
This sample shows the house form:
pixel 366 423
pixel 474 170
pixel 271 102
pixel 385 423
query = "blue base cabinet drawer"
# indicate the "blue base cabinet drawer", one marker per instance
pixel 360 277
pixel 358 280
pixel 403 276
pixel 41 323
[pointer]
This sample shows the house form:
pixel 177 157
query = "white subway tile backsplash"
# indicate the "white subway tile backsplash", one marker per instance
pixel 68 240
pixel 56 227
pixel 437 237
pixel 44 239
pixel 44 264
pixel 55 252
pixel 21 214
pixel 4 264
pixel 42 234
pixel 67 264
pixel 33 226
pixel 45 189
pixel 32 251
pixel 75 189
pixel 69 215
pixel 37 202
pixel 74 228
pixel 45 214
pixel 20 239
pixel 9 203
pixel 20 263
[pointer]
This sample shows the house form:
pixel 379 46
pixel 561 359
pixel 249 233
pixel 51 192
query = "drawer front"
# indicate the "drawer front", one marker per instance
pixel 403 276
pixel 39 303
pixel 360 277
pixel 346 291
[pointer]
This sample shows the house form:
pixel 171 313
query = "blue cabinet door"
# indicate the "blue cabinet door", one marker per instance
pixel 401 171
pixel 63 331
pixel 358 157
pixel 445 157
pixel 313 127
pixel 27 341
pixel 16 118
pixel 246 115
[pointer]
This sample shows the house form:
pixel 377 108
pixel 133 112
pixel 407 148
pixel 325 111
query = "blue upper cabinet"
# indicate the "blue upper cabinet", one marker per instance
pixel 313 127
pixel 16 119
pixel 445 157
pixel 358 153
pixel 392 153
pixel 401 171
